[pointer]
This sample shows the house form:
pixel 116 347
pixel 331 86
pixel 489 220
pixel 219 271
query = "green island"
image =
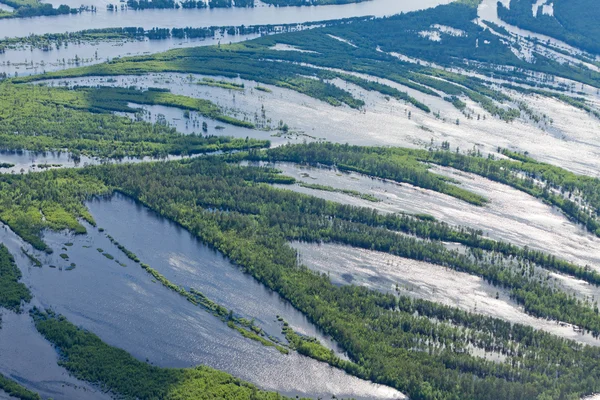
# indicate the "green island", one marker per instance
pixel 79 120
pixel 13 293
pixel 90 359
pixel 17 391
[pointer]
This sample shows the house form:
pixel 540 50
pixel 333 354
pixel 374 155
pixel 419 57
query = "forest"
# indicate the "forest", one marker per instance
pixel 34 8
pixel 251 223
pixel 89 359
pixel 325 58
pixel 577 196
pixel 13 293
pixel 574 21
pixel 236 201
pixel 81 121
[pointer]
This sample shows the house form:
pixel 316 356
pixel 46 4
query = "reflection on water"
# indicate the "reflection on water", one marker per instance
pixel 206 17
pixel 28 161
pixel 128 309
pixel 26 61
pixel 25 355
pixel 31 361
pixel 510 215
pixel 391 274
pixel 187 262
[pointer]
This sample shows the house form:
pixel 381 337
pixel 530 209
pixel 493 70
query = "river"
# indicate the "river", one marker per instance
pixel 170 18
pixel 128 309
pixel 25 61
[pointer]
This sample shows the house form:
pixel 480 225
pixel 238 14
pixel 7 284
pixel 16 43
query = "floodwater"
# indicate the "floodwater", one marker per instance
pixel 28 161
pixel 510 215
pixel 169 18
pixel 185 261
pixel 387 122
pixel 488 11
pixel 174 117
pixel 5 396
pixel 391 274
pixel 128 309
pixel 26 61
pixel 25 356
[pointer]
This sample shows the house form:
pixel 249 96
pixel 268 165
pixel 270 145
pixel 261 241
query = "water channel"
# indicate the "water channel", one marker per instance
pixel 121 303
pixel 181 18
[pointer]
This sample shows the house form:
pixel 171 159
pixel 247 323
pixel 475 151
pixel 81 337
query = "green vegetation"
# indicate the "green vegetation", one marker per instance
pixel 400 165
pixel 58 208
pixel 349 192
pixel 124 250
pixel 292 77
pixel 12 293
pixel 117 99
pixel 573 21
pixel 576 195
pixel 311 347
pixel 258 223
pixel 234 210
pixel 221 84
pixel 253 336
pixel 263 89
pixel 32 258
pixel 16 390
pixel 376 42
pixel 34 8
pixel 424 349
pixel 42 118
pixel 88 358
